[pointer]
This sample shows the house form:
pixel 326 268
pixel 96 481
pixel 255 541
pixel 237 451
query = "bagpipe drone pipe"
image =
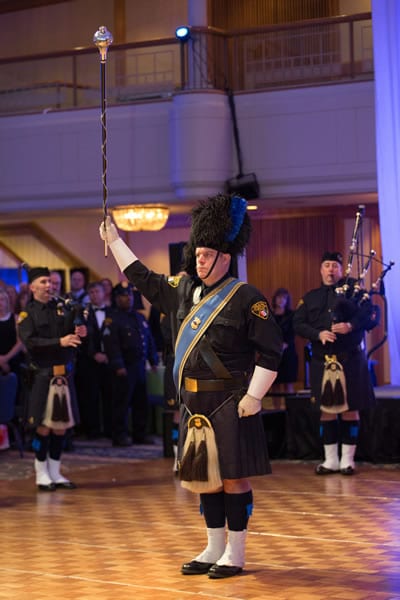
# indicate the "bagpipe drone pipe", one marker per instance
pixel 80 312
pixel 352 294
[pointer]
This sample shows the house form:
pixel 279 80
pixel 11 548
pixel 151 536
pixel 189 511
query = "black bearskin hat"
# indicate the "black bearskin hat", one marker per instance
pixel 220 223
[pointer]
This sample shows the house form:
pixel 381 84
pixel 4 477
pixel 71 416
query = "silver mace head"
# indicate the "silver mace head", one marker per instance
pixel 103 38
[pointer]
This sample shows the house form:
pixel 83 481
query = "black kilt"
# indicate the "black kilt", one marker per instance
pixel 36 400
pixel 241 443
pixel 360 391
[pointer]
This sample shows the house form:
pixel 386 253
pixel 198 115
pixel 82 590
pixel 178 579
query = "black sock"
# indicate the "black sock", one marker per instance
pixel 349 432
pixel 238 510
pixel 213 508
pixel 175 434
pixel 329 432
pixel 56 446
pixel 40 445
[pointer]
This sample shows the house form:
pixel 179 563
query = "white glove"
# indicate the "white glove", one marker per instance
pixel 260 383
pixel 121 252
pixel 248 406
pixel 108 231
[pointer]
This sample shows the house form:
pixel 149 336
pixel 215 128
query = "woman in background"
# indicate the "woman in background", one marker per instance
pixel 11 347
pixel 283 313
pixel 108 288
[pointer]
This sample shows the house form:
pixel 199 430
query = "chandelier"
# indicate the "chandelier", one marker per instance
pixel 141 217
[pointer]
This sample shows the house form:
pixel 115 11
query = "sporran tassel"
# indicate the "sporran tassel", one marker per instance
pixel 200 463
pixel 327 394
pixel 60 408
pixel 338 393
pixel 186 465
pixel 57 408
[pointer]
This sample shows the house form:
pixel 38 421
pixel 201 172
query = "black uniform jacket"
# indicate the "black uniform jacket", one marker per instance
pixel 40 328
pixel 243 334
pixel 316 312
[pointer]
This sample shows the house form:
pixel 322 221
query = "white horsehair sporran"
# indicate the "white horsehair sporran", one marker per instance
pixel 199 468
pixel 333 387
pixel 58 414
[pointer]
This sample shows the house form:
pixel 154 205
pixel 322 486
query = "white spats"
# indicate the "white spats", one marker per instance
pixel 215 547
pixel 235 549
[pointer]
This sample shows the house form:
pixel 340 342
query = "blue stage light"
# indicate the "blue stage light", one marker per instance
pixel 182 33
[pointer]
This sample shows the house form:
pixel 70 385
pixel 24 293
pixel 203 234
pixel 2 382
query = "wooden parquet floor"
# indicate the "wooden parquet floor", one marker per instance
pixel 124 533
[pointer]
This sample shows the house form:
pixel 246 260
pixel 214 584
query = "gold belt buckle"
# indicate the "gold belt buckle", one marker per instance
pixel 191 384
pixel 58 370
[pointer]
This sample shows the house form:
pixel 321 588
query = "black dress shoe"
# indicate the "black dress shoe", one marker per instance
pixel 65 485
pixel 348 470
pixel 321 470
pixel 222 571
pixel 196 568
pixel 48 487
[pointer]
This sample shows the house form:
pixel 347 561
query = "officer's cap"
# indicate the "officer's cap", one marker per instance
pixel 336 256
pixel 123 289
pixel 36 272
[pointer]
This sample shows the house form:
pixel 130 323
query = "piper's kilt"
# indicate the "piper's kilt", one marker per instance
pixel 241 443
pixel 36 400
pixel 360 392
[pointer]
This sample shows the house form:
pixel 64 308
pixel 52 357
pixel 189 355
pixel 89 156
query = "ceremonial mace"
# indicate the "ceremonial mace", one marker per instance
pixel 103 38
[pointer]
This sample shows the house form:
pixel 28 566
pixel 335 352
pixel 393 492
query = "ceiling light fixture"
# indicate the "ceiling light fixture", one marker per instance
pixel 141 217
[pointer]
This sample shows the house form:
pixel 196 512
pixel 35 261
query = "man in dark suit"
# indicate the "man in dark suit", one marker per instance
pixel 96 400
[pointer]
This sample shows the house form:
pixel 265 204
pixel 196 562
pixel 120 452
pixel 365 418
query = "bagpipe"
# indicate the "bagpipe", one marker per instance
pixel 79 311
pixel 354 299
pixel 352 292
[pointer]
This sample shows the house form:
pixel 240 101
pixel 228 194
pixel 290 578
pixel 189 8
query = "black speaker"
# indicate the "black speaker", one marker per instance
pixel 176 257
pixel 245 186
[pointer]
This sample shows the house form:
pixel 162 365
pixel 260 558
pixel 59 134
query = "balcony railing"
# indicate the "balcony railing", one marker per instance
pixel 304 53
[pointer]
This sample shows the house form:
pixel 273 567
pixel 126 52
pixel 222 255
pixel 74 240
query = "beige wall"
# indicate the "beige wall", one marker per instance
pixel 349 7
pixel 72 24
pixel 154 19
pixel 82 238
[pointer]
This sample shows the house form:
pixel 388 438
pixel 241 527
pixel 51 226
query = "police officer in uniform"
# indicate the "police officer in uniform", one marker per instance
pixel 48 329
pixel 129 344
pixel 336 327
pixel 227 355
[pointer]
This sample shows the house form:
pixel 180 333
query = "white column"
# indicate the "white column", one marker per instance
pixel 386 39
pixel 197 12
pixel 201 144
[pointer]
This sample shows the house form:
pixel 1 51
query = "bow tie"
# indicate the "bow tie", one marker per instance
pixel 97 308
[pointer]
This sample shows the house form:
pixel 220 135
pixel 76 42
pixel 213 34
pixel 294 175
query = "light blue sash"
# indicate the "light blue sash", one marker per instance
pixel 197 322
